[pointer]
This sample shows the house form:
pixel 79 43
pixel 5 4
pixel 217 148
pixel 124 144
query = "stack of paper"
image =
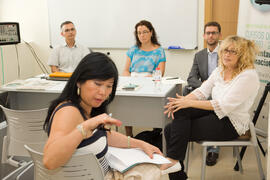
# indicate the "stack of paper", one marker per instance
pixel 30 84
pixel 123 159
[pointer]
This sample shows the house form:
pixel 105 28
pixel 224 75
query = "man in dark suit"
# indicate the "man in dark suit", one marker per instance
pixel 205 61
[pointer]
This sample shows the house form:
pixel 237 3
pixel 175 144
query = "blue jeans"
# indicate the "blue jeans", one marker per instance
pixel 214 149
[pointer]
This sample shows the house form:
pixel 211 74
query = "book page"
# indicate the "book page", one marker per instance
pixel 123 159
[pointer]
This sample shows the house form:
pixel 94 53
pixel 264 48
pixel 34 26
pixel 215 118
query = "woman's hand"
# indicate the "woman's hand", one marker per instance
pixel 150 149
pixel 175 104
pixel 91 124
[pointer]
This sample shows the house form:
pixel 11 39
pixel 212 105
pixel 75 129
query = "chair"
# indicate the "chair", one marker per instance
pixel 23 127
pixel 252 141
pixel 254 120
pixel 240 142
pixel 81 166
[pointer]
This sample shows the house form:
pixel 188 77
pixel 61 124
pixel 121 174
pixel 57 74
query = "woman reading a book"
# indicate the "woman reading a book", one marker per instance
pixel 76 119
pixel 233 86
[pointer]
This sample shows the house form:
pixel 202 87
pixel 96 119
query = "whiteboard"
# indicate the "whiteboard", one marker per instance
pixel 110 23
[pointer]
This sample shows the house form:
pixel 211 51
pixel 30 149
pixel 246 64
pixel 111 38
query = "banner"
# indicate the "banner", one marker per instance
pixel 254 24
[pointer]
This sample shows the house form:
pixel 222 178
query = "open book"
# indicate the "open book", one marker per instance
pixel 123 159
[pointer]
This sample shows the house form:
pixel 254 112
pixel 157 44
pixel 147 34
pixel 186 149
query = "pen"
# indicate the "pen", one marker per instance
pixel 102 126
pixel 172 78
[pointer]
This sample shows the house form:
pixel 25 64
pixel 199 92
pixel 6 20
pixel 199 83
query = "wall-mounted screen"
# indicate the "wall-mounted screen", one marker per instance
pixel 9 33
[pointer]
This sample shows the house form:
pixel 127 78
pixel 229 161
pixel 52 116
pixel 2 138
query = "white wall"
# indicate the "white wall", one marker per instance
pixel 33 18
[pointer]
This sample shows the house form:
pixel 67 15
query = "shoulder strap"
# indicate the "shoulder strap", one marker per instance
pixel 61 106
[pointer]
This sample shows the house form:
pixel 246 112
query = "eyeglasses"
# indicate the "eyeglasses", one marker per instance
pixel 230 51
pixel 144 32
pixel 213 33
pixel 67 30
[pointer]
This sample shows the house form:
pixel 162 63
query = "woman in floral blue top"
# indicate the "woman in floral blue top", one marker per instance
pixel 144 57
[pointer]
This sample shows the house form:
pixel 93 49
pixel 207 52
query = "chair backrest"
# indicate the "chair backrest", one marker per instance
pixel 253 137
pixel 260 105
pixel 81 166
pixel 24 127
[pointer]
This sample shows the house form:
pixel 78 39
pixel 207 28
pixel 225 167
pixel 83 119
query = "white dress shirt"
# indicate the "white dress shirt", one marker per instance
pixel 66 58
pixel 212 60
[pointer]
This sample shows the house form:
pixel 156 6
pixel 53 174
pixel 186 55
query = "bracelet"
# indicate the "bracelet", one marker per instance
pixel 128 141
pixel 80 128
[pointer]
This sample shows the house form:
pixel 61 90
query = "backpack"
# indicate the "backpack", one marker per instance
pixel 153 137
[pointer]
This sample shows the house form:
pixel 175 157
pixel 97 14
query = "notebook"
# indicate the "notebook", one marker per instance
pixel 122 159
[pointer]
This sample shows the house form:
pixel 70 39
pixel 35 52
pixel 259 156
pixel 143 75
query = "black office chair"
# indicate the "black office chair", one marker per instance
pixel 254 120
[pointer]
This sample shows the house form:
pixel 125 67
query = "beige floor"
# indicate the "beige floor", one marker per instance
pixel 223 170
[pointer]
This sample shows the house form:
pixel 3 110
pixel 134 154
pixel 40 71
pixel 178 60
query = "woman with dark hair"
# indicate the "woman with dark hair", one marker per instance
pixel 144 57
pixel 75 117
pixel 147 54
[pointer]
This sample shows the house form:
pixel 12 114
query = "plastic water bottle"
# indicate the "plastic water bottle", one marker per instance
pixel 157 79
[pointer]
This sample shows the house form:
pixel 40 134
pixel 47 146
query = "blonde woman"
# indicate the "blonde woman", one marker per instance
pixel 233 86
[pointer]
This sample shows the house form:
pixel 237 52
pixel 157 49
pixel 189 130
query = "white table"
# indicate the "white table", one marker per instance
pixel 142 107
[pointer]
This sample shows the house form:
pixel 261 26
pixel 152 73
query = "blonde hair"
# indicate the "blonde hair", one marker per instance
pixel 246 52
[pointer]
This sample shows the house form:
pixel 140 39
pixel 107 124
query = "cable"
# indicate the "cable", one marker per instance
pixel 39 62
pixel 2 60
pixel 19 67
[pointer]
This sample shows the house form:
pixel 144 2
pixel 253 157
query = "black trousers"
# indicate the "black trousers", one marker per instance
pixel 194 125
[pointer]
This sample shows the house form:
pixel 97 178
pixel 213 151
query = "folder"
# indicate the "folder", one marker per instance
pixel 59 76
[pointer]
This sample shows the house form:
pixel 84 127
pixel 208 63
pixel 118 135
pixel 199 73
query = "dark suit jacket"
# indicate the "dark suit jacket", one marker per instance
pixel 198 73
pixel 199 70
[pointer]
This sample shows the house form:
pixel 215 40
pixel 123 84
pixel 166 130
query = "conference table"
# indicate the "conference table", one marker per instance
pixel 142 107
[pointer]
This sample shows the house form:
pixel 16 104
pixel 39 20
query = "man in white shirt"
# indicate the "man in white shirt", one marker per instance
pixel 205 61
pixel 65 58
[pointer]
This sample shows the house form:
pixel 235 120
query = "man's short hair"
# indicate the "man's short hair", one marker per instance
pixel 66 22
pixel 212 23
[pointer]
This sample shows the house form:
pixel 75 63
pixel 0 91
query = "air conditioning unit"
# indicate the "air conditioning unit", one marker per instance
pixel 262 2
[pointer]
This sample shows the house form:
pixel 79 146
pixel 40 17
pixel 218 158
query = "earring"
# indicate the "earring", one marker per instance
pixel 78 91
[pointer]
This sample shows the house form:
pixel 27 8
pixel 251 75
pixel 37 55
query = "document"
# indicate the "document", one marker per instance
pixel 122 159
pixel 128 87
pixel 30 84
